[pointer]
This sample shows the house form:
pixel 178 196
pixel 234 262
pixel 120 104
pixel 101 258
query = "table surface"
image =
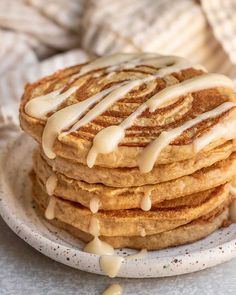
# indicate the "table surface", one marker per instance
pixel 23 270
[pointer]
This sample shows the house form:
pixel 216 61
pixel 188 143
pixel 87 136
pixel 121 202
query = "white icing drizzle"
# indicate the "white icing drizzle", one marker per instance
pixel 96 246
pixel 64 118
pixel 107 140
pixel 94 226
pixel 51 184
pixel 232 211
pixel 67 116
pixel 110 264
pixel 109 64
pixel 150 153
pixel 94 205
pixel 50 211
pixel 39 106
pixel 114 289
pixel 109 100
pixel 146 202
pixel 107 61
pixel 205 81
pixel 224 130
pixel 138 255
pixel 171 64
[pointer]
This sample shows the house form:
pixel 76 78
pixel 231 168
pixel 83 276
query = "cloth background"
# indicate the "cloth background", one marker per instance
pixel 38 37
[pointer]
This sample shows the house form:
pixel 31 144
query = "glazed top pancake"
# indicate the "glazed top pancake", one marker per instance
pixel 130 110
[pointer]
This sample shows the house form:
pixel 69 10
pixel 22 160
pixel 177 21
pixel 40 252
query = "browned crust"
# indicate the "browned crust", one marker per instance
pixel 160 219
pixel 188 233
pixel 111 198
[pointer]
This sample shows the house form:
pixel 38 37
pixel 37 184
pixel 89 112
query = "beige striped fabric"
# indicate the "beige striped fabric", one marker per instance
pixel 12 83
pixel 222 17
pixel 15 53
pixel 49 22
pixel 66 14
pixel 32 30
pixel 164 26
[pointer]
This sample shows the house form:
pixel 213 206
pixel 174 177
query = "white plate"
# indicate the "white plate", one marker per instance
pixel 17 210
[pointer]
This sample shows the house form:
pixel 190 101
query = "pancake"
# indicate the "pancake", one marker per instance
pixel 76 145
pixel 188 233
pixel 126 198
pixel 128 177
pixel 163 217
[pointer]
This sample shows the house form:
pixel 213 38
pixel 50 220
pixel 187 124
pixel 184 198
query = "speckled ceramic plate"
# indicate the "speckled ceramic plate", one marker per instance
pixel 17 210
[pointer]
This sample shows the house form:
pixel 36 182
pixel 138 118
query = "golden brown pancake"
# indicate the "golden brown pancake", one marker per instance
pixel 163 217
pixel 126 198
pixel 128 177
pixel 188 233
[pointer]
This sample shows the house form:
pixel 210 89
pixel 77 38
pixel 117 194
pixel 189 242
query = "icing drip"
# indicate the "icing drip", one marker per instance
pixel 66 117
pixel 224 130
pixel 40 106
pixel 146 202
pixel 94 226
pixel 110 264
pixel 108 139
pixel 103 144
pixel 51 184
pixel 114 289
pixel 150 153
pixel 96 246
pixel 50 211
pixel 94 205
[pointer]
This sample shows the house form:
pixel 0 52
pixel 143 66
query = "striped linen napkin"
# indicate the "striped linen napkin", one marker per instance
pixel 221 15
pixel 12 86
pixel 30 30
pixel 165 26
pixel 15 53
pixel 53 23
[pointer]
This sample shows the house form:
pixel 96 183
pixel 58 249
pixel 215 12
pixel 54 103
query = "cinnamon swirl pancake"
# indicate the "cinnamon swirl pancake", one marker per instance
pixel 139 139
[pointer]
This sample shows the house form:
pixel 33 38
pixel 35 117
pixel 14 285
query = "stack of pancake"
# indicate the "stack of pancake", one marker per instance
pixel 136 149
